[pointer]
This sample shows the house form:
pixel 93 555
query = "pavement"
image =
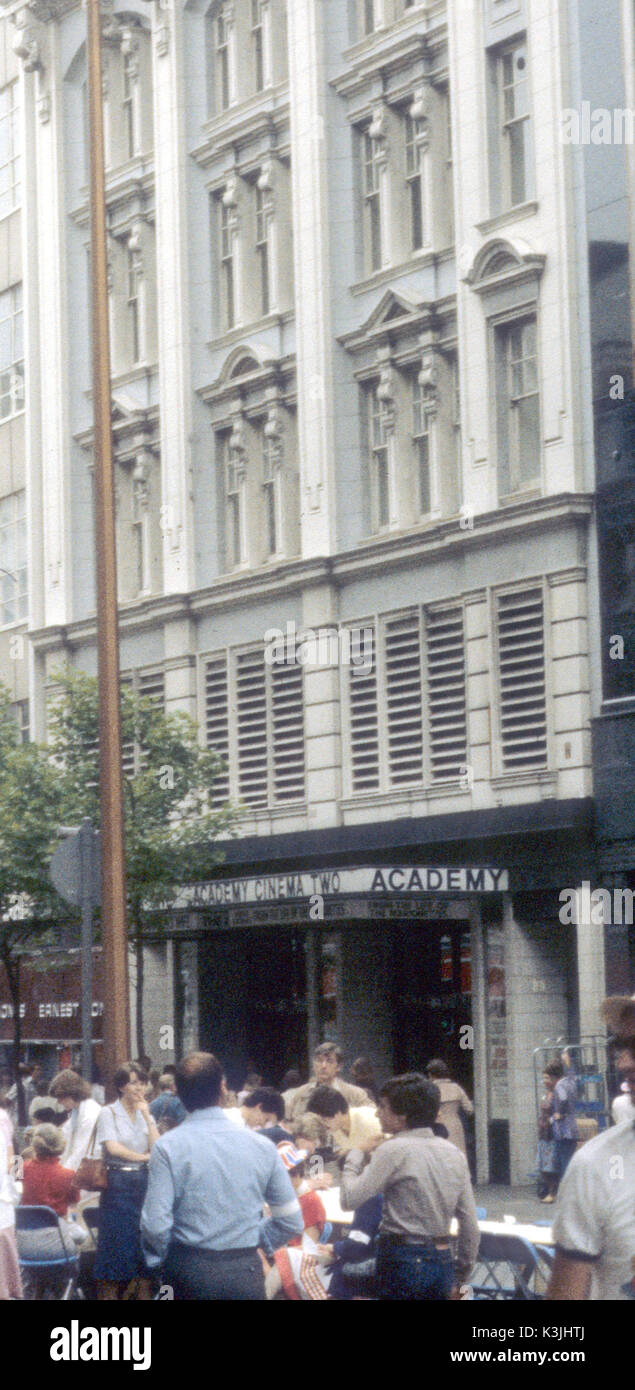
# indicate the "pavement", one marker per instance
pixel 520 1202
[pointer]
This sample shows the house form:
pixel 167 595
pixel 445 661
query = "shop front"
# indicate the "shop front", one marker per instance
pixel 442 941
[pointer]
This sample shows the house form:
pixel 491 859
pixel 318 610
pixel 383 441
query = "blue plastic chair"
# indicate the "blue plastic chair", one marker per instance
pixel 41 1219
pixel 326 1233
pixel 481 1213
pixel 505 1265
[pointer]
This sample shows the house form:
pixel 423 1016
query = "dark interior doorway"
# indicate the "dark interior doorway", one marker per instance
pixel 432 998
pixel 252 1002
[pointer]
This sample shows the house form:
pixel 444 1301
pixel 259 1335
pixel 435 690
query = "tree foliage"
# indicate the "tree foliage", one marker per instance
pixel 30 803
pixel 171 825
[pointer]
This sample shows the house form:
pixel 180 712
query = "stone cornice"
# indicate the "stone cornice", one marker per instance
pixel 393 551
pixel 370 557
pixel 266 114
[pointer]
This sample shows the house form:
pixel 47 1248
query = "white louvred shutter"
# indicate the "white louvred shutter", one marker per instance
pixel 151 686
pixel 522 676
pixel 217 720
pixel 251 707
pixel 128 761
pixel 447 717
pixel 287 713
pixel 364 720
pixel 402 658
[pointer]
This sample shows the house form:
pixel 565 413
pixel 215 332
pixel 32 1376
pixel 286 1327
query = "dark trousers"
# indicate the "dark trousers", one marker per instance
pixel 414 1272
pixel 565 1149
pixel 222 1275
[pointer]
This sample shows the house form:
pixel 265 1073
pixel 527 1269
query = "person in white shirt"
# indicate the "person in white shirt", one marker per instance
pixel 594 1225
pixel 83 1112
pixel 263 1106
pixel 622 1108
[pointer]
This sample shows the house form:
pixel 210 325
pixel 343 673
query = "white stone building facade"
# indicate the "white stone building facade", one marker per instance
pixel 348 360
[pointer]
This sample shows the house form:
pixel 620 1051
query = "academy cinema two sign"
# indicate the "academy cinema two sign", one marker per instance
pixel 376 882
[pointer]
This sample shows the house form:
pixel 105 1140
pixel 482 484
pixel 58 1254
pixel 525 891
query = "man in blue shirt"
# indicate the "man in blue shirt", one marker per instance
pixel 208 1180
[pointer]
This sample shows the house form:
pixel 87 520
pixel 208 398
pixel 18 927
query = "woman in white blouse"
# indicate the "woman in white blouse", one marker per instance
pixel 83 1112
pixel 125 1134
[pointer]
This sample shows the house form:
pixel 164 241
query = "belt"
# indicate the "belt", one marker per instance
pixel 215 1256
pixel 420 1242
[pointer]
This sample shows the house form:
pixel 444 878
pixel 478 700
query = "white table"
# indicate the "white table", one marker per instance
pixel 536 1235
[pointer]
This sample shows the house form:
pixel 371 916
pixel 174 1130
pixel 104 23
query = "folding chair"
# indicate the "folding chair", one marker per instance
pixel 505 1266
pixel 65 1264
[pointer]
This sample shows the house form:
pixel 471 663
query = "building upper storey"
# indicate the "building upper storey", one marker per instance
pixel 343 317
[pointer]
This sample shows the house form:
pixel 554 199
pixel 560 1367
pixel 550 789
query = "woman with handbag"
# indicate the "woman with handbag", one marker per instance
pixel 125 1134
pixel 83 1112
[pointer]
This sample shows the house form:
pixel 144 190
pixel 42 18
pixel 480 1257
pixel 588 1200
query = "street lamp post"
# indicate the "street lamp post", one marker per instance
pixel 113 873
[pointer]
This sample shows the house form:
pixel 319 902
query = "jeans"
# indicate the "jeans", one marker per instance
pixel 201 1275
pixel 565 1149
pixel 414 1272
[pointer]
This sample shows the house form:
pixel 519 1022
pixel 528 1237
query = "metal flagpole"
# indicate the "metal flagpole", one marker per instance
pixel 113 872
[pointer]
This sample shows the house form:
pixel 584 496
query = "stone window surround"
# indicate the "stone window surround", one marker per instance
pixel 423 98
pixel 237 190
pixel 506 274
pixel 263 398
pixel 244 31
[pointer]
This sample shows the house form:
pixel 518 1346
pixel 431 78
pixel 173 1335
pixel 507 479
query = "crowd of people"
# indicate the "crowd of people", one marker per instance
pixel 217 1195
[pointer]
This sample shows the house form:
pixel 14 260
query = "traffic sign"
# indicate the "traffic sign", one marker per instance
pixel 66 870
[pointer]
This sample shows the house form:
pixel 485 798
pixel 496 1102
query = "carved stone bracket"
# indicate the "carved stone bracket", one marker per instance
pixel 428 376
pixel 387 388
pixel 378 132
pixel 31 45
pixel 274 432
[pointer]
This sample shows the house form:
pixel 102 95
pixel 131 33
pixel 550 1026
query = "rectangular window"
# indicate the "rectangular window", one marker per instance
pixel 11 352
pixel 269 474
pixel 447 710
pixel 372 201
pixel 263 221
pixel 421 441
pixel 414 182
pixel 22 718
pixel 217 721
pixel 522 679
pixel 10 161
pixel 380 465
pixel 396 740
pixel 364 722
pixel 228 273
pixel 518 406
pixel 234 507
pixel 135 277
pixel 449 167
pixel 129 105
pixel 403 699
pixel 456 418
pixel 14 600
pixel 148 685
pixel 268 727
pixel 222 61
pixel 514 125
pixel 257 38
pixel 140 545
pixel 368 11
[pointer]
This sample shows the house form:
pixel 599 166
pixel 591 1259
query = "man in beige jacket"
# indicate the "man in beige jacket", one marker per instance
pixel 327 1060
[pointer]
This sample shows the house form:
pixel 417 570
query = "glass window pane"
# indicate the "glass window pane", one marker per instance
pixel 517 136
pixel 528 440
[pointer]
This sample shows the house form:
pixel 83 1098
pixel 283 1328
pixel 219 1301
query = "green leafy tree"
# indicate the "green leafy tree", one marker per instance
pixel 170 825
pixel 30 799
